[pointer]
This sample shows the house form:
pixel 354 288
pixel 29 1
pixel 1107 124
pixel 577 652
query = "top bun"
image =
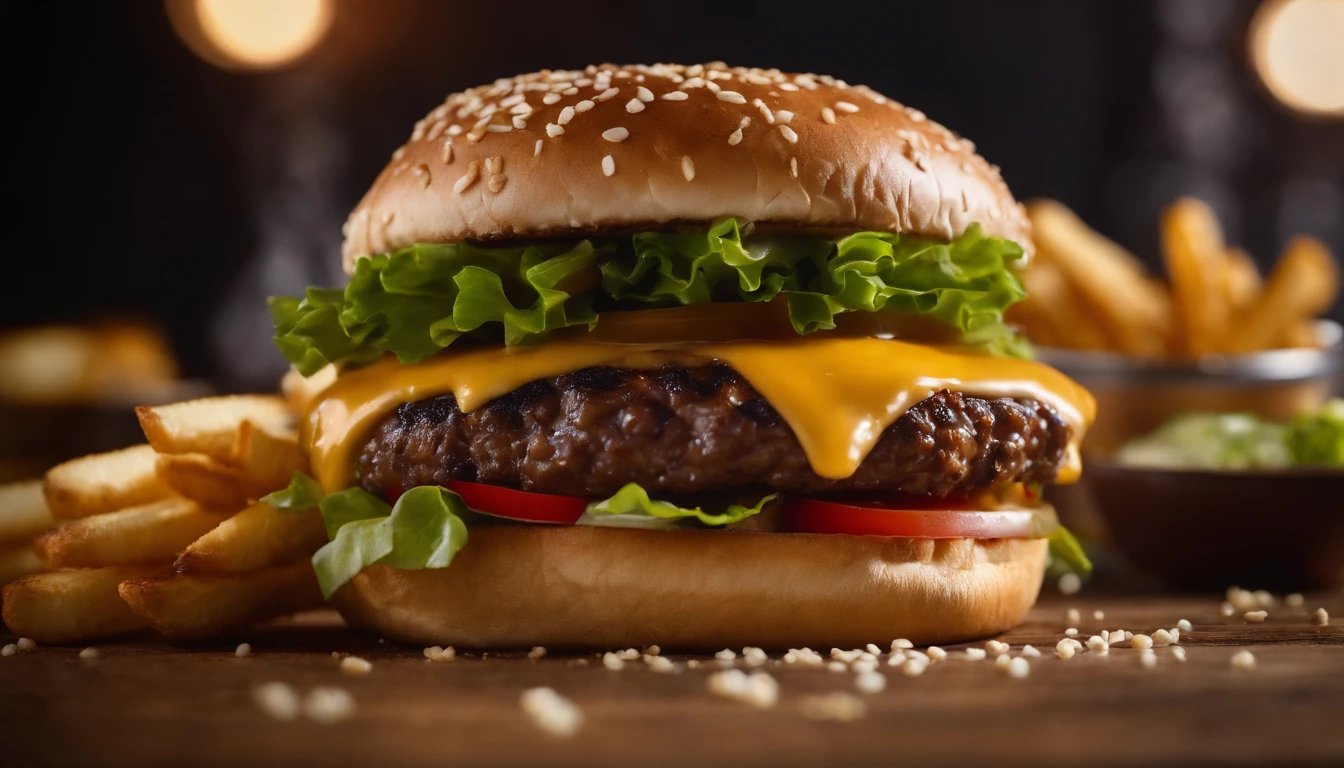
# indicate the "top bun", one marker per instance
pixel 561 153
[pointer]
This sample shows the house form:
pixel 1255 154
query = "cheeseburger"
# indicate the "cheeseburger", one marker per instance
pixel 697 356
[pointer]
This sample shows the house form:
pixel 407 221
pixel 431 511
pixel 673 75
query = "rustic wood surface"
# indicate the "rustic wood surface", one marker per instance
pixel 145 702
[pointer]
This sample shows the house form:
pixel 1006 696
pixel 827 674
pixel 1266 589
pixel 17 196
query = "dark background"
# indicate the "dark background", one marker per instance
pixel 150 183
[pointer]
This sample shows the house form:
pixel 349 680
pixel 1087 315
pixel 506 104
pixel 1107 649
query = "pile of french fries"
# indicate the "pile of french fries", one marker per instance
pixel 168 535
pixel 1085 292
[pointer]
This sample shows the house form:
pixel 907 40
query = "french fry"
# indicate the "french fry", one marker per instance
pixel 1069 325
pixel 17 562
pixel 104 482
pixel 1303 335
pixel 300 390
pixel 1133 307
pixel 1241 282
pixel 210 425
pixel 258 537
pixel 268 459
pixel 1303 284
pixel 23 512
pixel 209 483
pixel 73 606
pixel 1192 244
pixel 183 606
pixel 152 533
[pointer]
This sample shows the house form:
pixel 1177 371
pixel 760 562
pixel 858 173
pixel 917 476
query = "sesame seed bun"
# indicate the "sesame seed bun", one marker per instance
pixel 580 587
pixel 560 153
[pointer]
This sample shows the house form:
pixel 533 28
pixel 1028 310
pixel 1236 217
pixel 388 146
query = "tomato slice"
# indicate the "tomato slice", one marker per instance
pixel 925 519
pixel 525 506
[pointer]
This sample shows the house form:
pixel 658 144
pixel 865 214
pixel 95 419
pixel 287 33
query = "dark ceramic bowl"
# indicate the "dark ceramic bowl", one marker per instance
pixel 1209 529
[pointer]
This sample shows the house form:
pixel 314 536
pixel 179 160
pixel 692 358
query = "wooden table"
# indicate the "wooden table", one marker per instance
pixel 148 703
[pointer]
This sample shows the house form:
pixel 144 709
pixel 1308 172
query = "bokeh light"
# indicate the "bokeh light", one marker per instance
pixel 1297 47
pixel 251 34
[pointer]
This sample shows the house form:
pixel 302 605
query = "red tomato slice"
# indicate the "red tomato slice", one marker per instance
pixel 928 519
pixel 526 506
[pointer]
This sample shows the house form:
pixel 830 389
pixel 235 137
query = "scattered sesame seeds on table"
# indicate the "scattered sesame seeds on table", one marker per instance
pixel 1178 671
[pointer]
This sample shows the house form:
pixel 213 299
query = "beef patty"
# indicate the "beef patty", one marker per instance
pixel 694 430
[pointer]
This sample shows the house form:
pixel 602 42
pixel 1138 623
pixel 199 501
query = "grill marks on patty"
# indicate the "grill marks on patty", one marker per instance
pixel 681 430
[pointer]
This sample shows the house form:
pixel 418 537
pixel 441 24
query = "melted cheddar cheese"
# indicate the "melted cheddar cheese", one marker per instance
pixel 838 394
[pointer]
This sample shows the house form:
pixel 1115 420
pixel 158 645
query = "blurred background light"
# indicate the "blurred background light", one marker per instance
pixel 251 34
pixel 1297 47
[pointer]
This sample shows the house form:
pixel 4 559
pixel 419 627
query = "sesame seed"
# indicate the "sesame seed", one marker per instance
pixel 629 654
pixel 616 134
pixel 519 123
pixel 521 110
pixel 675 96
pixel 277 700
pixel 554 130
pixel 1069 584
pixel 1073 616
pixel 793 167
pixel 754 657
pixel 1264 598
pixel 1098 615
pixel 243 650
pixel 643 94
pixel 584 106
pixel 735 137
pixel 1019 668
pixel 727 654
pixel 1115 637
pixel 660 664
pixel 787 87
pixel 1293 600
pixel 435 653
pixel 607 94
pixel 608 166
pixel 550 98
pixel 732 97
pixel 687 167
pixel 537 149
pixel 634 105
pixel 836 666
pixel 975 654
pixel 1071 632
pixel 1148 659
pixel 996 647
pixel 1175 635
pixel 1184 625
pixel 653 650
pixel 1226 609
pixel 26 644
pixel 497 128
pixel 327 705
pixel 789 134
pixel 1160 637
pixel 1141 642
pixel 757 689
pixel 497 182
pixel 837 706
pixel 1243 599
pixel 873 649
pixel 936 653
pixel 1320 618
pixel 765 112
pixel 565 116
pixel 612 661
pixel 570 92
pixel 1243 660
pixel 1178 653
pixel 694 82
pixel 1002 661
pixel 467 179
pixel 783 117
pixel 1065 649
pixel 870 682
pixel 900 644
pixel 448 150
pixel 1255 617
pixel 551 712
pixel 713 87
pixel 455 130
pixel 1097 643
pixel 517 98
pixel 845 106
pixel 914 667
pixel 355 666
pixel 9 650
pixel 1030 652
pixel 89 653
pixel 864 665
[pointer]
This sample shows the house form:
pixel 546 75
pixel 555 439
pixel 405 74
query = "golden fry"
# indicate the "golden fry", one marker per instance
pixel 1054 309
pixel 23 512
pixel 73 606
pixel 1192 244
pixel 1241 282
pixel 258 537
pixel 184 606
pixel 19 561
pixel 1302 285
pixel 152 533
pixel 209 483
pixel 104 482
pixel 210 425
pixel 268 460
pixel 1133 309
pixel 300 390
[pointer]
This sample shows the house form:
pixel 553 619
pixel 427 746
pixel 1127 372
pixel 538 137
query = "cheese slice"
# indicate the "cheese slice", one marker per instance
pixel 838 394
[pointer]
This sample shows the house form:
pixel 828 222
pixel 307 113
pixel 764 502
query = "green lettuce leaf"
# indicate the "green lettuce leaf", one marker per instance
pixel 1210 441
pixel 1317 439
pixel 303 493
pixel 424 529
pixel 418 300
pixel 1065 550
pixel 632 504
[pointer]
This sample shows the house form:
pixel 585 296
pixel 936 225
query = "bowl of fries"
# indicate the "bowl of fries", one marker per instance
pixel 1215 336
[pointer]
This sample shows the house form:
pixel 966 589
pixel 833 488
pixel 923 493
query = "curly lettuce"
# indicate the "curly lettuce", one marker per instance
pixel 631 507
pixel 419 300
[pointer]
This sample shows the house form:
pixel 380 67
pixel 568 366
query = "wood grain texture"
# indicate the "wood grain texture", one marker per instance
pixel 146 702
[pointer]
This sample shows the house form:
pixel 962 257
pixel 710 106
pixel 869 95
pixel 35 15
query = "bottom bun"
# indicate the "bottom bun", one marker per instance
pixel 593 588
